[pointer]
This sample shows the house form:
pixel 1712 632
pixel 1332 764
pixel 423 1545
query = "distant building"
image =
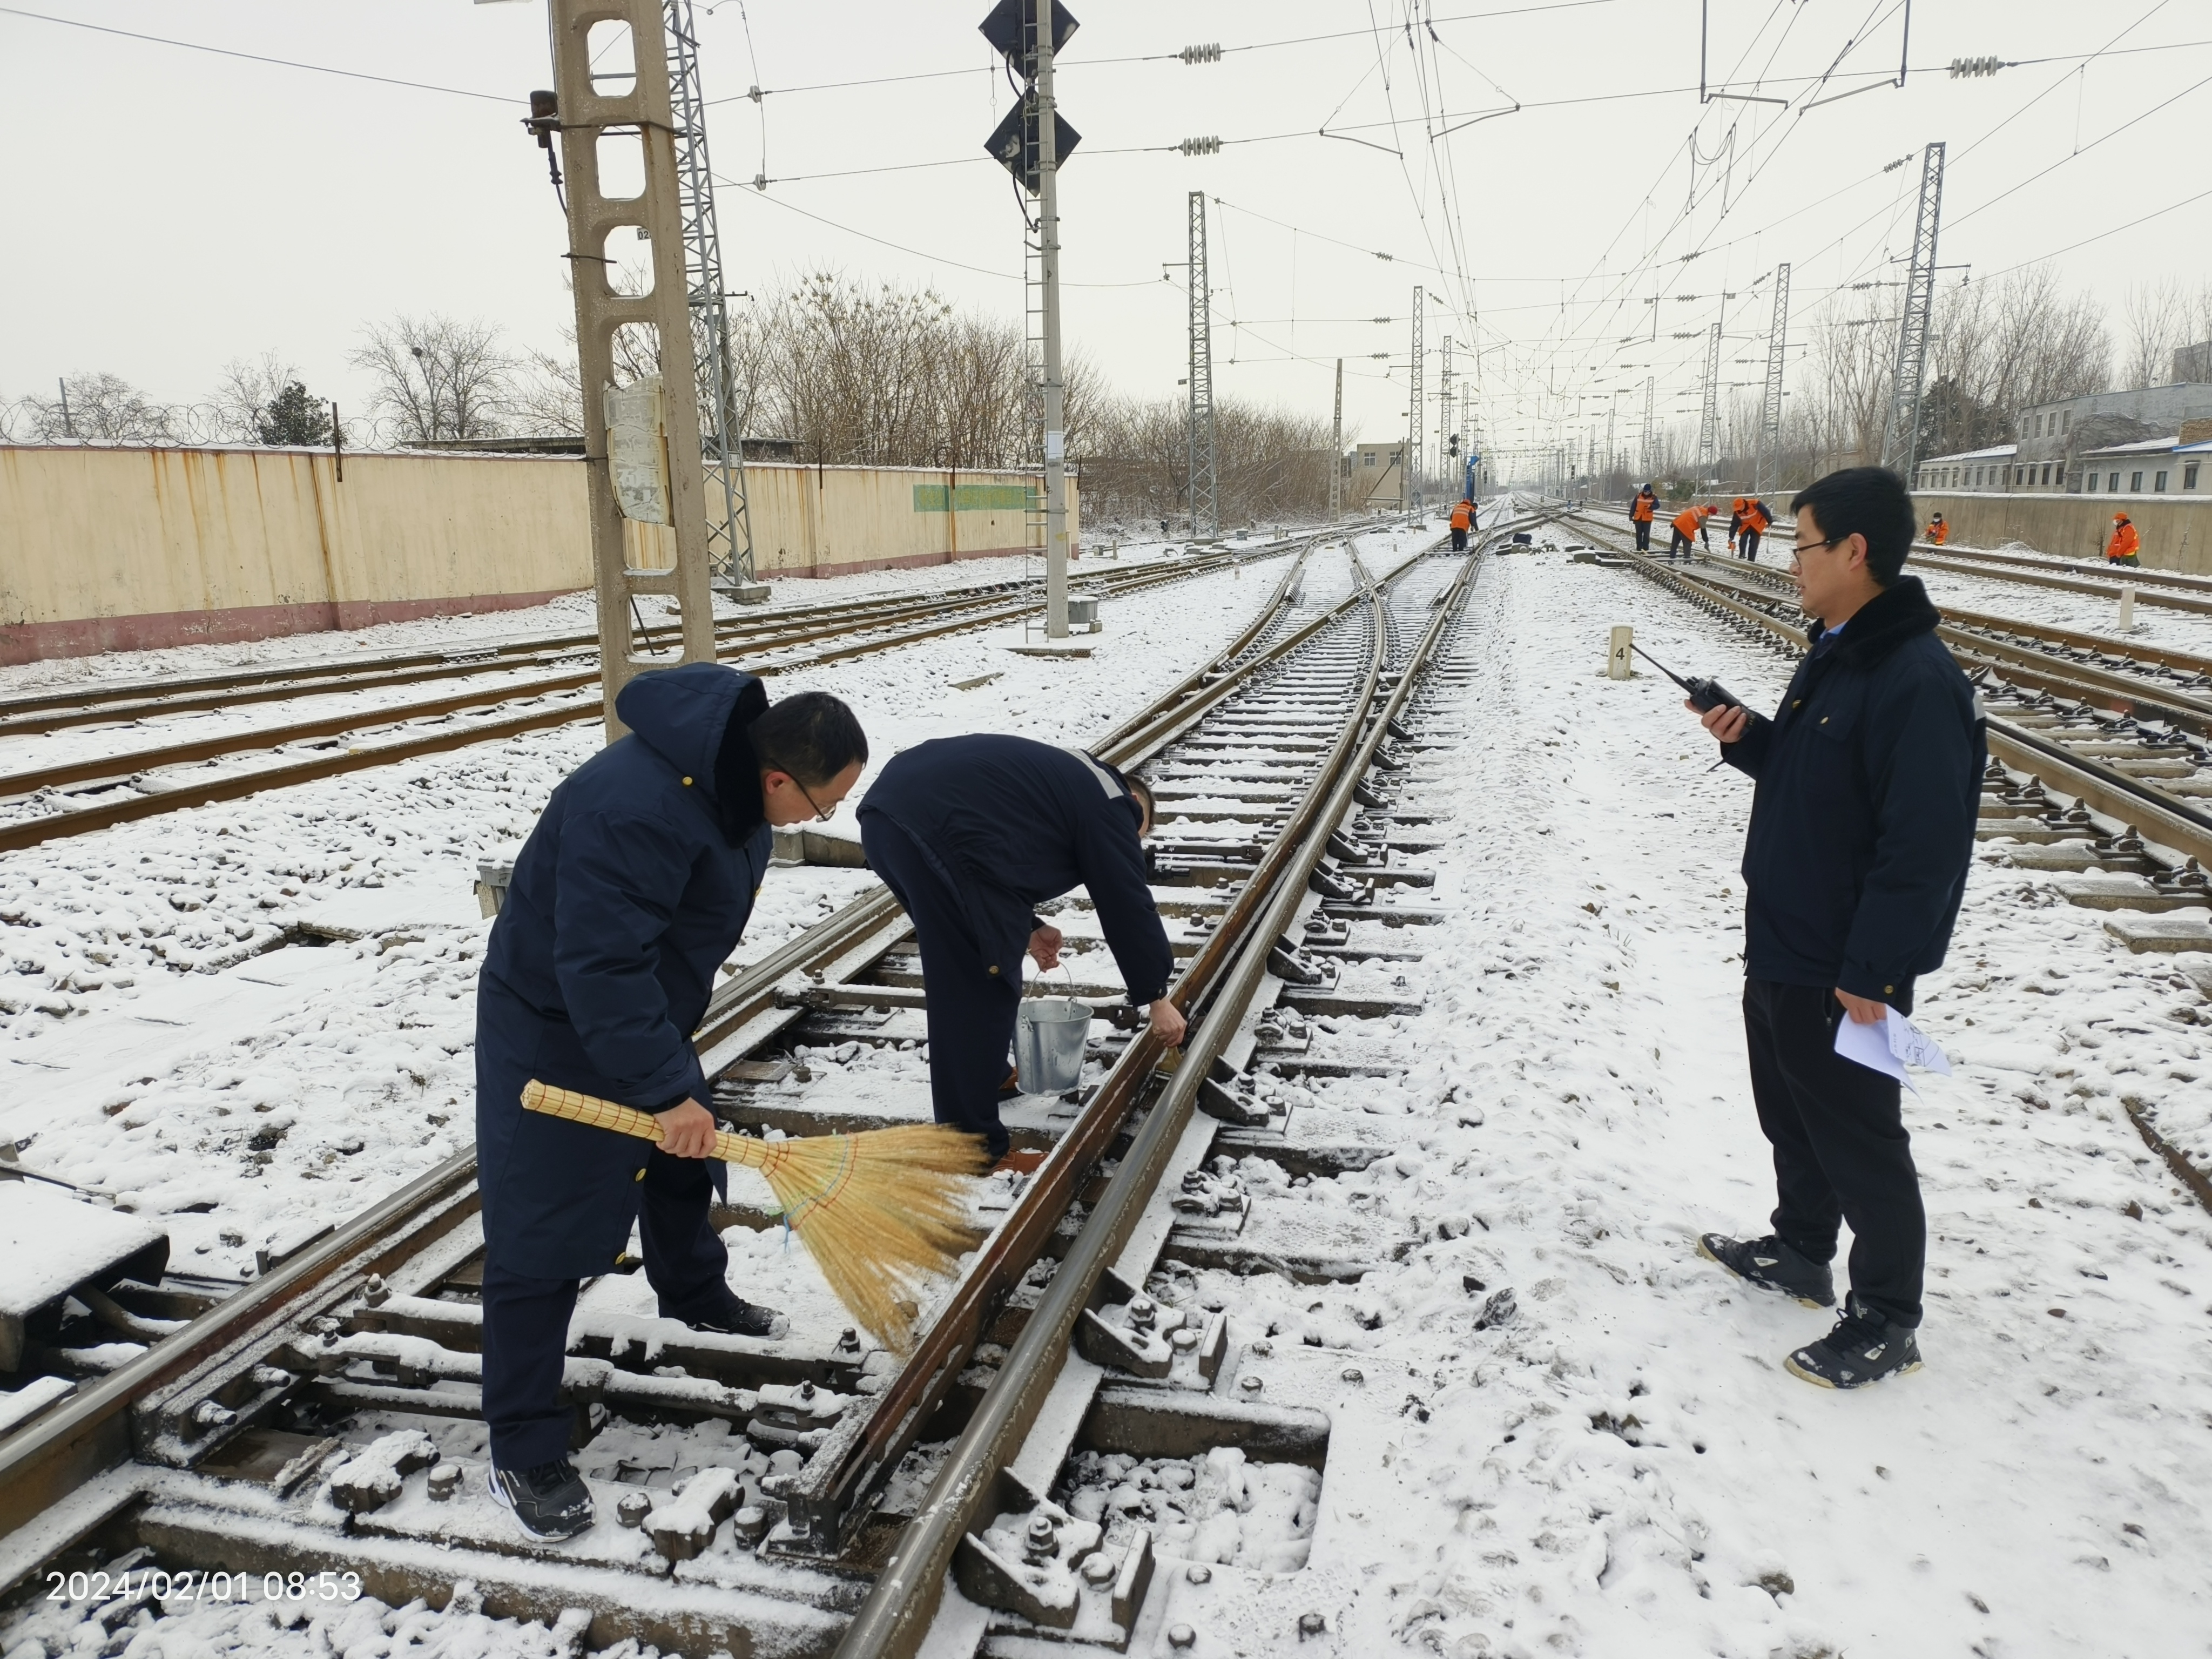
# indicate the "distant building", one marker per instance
pixel 2154 466
pixel 2056 438
pixel 2193 362
pixel 1375 476
pixel 1970 469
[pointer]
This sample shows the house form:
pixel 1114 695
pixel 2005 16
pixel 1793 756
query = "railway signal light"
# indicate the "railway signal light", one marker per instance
pixel 1014 140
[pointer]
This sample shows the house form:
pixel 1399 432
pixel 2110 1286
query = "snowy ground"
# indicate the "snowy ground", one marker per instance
pixel 1622 1466
pixel 173 1034
pixel 1625 1467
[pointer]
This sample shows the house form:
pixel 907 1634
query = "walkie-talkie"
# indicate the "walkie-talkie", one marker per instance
pixel 1704 694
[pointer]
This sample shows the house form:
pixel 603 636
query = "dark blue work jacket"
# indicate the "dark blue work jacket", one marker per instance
pixel 1011 823
pixel 634 888
pixel 1863 826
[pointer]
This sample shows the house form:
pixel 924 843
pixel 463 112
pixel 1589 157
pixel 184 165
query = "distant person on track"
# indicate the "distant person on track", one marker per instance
pixel 1938 531
pixel 1690 525
pixel 1755 518
pixel 2124 545
pixel 1869 779
pixel 1735 522
pixel 970 834
pixel 1641 511
pixel 632 891
pixel 1463 519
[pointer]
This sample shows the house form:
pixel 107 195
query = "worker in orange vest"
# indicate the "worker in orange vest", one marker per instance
pixel 1756 518
pixel 1735 521
pixel 1690 526
pixel 1640 512
pixel 1463 519
pixel 1938 531
pixel 2124 542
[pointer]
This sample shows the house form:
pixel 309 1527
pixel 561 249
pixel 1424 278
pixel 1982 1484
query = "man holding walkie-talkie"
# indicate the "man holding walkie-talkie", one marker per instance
pixel 1861 830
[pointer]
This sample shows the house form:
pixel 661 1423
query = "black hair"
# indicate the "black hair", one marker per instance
pixel 811 735
pixel 1865 500
pixel 1143 793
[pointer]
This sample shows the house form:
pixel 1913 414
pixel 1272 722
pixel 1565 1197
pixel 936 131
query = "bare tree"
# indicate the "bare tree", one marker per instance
pixel 437 377
pixel 2158 317
pixel 100 406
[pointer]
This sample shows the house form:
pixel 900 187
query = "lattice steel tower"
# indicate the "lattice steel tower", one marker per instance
pixel 1409 484
pixel 721 438
pixel 1205 485
pixel 1770 414
pixel 1900 439
pixel 1709 429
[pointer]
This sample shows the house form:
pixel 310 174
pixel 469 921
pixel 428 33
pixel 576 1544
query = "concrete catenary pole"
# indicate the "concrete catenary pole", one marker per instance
pixel 585 113
pixel 1336 455
pixel 1409 474
pixel 1055 438
pixel 1900 438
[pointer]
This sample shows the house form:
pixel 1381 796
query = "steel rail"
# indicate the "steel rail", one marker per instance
pixel 31 832
pixel 61 1449
pixel 826 1494
pixel 2164 817
pixel 895 1620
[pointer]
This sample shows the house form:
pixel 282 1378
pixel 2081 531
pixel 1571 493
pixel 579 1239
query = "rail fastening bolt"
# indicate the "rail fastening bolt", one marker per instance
pixel 1200 1573
pixel 632 1509
pixel 1040 1537
pixel 1183 1636
pixel 1250 1384
pixel 1311 1624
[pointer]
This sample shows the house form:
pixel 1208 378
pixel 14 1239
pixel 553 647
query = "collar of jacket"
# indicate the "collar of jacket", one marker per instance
pixel 1899 612
pixel 737 799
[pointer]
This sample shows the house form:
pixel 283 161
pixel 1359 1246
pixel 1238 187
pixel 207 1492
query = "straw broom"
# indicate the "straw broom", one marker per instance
pixel 882 1212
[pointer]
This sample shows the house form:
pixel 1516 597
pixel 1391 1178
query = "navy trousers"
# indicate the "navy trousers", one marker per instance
pixel 526 1318
pixel 1841 1150
pixel 971 1007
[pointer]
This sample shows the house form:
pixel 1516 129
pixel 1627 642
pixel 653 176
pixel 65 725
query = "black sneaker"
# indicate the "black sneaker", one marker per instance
pixel 1863 1348
pixel 1774 1266
pixel 735 1318
pixel 550 1502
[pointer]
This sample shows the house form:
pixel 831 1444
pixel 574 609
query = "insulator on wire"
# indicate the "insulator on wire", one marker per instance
pixel 1974 68
pixel 1208 54
pixel 1200 147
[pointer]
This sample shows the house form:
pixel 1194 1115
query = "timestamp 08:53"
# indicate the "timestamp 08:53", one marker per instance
pixel 194 1585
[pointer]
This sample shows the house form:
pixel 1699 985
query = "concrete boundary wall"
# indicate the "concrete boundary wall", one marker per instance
pixel 112 548
pixel 2176 531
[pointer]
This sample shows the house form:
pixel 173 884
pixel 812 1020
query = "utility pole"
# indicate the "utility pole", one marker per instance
pixel 1444 409
pixel 1409 476
pixel 1205 485
pixel 1612 455
pixel 633 483
pixel 1900 440
pixel 1709 429
pixel 1770 414
pixel 721 437
pixel 1336 456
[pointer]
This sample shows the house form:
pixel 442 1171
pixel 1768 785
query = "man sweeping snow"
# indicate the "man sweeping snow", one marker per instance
pixel 632 891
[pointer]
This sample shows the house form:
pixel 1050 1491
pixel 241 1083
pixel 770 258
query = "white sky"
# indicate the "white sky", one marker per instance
pixel 174 209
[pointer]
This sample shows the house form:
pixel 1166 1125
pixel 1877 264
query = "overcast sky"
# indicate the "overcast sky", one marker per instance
pixel 173 209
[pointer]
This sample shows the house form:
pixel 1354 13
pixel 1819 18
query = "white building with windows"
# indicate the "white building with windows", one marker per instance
pixel 1970 469
pixel 2155 466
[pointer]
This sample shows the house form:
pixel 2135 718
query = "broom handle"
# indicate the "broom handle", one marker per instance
pixel 628 1120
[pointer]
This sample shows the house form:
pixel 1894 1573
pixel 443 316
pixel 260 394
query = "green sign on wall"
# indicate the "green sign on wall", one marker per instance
pixel 970 498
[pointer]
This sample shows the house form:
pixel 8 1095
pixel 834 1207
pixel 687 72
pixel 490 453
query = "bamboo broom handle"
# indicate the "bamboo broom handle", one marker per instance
pixel 628 1120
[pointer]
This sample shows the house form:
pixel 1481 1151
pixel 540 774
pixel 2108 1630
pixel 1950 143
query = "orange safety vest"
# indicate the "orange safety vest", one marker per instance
pixel 2125 541
pixel 1639 510
pixel 1460 516
pixel 1691 520
pixel 1939 532
pixel 1755 518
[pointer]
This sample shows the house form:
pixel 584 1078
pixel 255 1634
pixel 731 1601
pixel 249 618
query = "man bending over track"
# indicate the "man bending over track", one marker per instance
pixel 970 834
pixel 634 888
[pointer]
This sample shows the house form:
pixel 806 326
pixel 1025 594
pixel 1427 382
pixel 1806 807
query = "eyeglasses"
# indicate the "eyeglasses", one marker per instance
pixel 820 817
pixel 1808 547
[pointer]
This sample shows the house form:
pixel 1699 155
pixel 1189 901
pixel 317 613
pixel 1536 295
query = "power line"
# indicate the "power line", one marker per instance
pixel 258 58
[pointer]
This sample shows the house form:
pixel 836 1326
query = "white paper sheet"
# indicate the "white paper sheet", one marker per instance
pixel 1890 1047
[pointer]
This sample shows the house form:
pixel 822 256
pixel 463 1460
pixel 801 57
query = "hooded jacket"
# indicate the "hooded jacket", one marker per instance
pixel 632 891
pixel 1010 823
pixel 1862 827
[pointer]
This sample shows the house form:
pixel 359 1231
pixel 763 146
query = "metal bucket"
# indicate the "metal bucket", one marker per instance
pixel 1049 1038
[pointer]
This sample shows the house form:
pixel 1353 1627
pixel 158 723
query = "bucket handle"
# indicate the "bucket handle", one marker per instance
pixel 1061 967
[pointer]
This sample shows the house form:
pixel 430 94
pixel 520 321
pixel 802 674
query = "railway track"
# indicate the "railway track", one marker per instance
pixel 810 1494
pixel 2100 766
pixel 503 691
